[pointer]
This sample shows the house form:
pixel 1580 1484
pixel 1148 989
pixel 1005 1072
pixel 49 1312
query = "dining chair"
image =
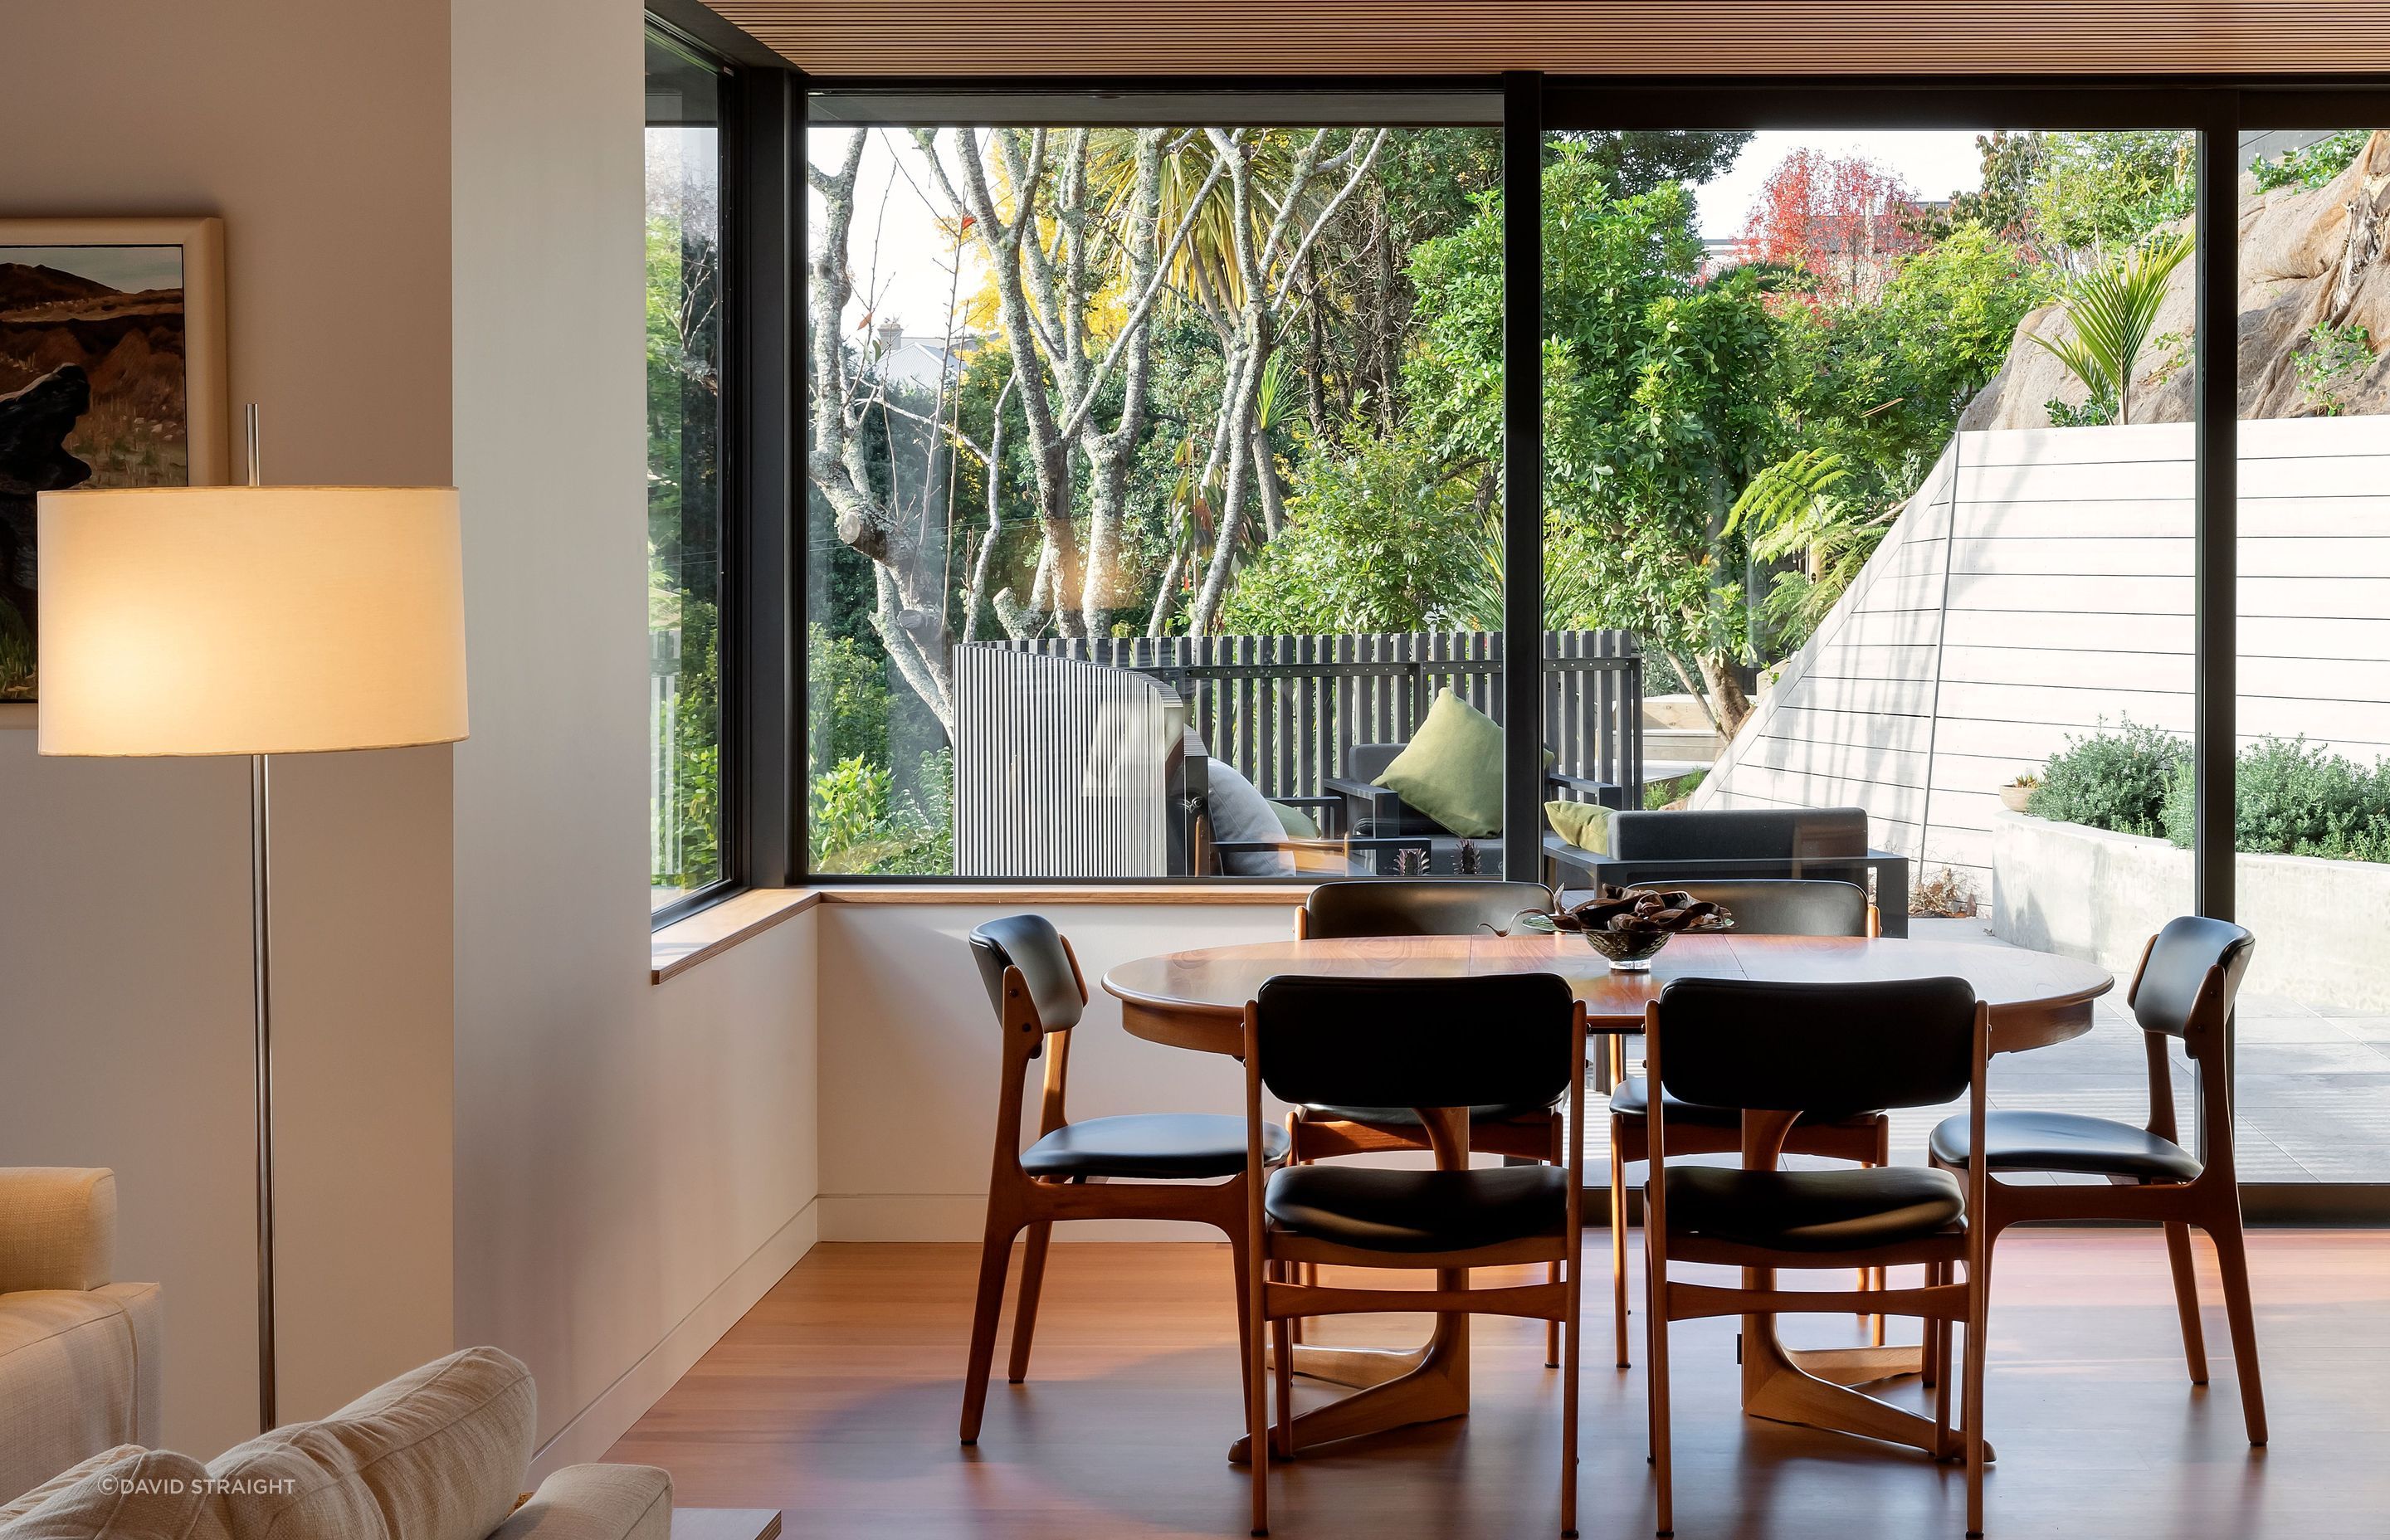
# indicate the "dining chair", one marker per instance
pixel 1426 906
pixel 1177 1165
pixel 1763 907
pixel 2183 991
pixel 1777 1053
pixel 1415 1042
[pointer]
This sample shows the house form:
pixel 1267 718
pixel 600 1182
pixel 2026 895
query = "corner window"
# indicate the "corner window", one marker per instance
pixel 687 795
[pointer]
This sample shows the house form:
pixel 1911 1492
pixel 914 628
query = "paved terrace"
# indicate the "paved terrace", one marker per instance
pixel 2314 1083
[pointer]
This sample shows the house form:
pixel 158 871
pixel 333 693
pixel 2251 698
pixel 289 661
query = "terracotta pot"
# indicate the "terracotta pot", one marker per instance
pixel 2014 798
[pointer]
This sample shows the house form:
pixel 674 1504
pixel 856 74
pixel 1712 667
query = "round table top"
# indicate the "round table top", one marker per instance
pixel 1197 999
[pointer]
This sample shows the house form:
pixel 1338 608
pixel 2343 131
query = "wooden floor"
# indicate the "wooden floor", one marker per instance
pixel 835 1400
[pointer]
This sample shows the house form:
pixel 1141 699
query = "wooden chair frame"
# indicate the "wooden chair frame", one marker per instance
pixel 1277 1304
pixel 1016 1201
pixel 1527 1136
pixel 1864 1140
pixel 2211 1202
pixel 1939 1301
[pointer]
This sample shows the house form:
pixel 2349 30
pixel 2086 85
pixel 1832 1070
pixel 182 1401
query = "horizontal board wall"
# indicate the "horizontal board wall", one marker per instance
pixel 2038 587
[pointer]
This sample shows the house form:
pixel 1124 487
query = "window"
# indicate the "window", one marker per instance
pixel 2312 796
pixel 687 768
pixel 1155 495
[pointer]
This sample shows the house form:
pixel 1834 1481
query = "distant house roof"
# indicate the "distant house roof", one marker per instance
pixel 922 363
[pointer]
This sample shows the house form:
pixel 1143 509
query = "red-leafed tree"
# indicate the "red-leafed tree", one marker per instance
pixel 1841 219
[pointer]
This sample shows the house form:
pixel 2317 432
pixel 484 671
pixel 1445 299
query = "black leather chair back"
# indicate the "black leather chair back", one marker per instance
pixel 2167 990
pixel 1454 907
pixel 1739 834
pixel 1031 944
pixel 1828 1050
pixel 1787 907
pixel 1493 1040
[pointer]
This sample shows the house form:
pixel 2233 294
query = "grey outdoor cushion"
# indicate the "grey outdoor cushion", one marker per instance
pixel 1242 815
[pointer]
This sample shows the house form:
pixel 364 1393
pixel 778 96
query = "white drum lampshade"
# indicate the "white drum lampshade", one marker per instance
pixel 241 620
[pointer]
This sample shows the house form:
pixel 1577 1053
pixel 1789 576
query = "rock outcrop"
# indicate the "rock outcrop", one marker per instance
pixel 2309 257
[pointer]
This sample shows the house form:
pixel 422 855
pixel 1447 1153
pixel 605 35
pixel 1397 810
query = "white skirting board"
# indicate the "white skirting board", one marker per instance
pixel 595 1428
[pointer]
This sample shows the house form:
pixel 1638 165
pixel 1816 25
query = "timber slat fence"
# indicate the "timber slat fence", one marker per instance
pixel 1282 710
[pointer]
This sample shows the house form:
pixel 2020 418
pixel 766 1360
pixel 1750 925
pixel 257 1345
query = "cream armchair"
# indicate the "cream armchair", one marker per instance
pixel 80 1353
pixel 440 1452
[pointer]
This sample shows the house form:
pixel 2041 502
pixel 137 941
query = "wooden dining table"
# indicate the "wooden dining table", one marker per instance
pixel 1196 1000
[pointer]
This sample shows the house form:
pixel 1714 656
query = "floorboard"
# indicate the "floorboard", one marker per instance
pixel 835 1400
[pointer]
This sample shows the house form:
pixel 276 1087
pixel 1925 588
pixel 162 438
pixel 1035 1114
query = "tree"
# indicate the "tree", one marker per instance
pixel 1378 537
pixel 2112 308
pixel 1659 403
pixel 1631 161
pixel 1843 219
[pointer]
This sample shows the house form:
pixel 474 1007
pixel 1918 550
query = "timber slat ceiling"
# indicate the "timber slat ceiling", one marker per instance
pixel 1609 37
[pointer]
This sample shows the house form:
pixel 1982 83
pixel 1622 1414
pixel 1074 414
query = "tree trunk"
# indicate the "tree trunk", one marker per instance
pixel 1729 705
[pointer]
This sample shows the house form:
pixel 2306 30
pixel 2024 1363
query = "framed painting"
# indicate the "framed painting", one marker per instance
pixel 112 374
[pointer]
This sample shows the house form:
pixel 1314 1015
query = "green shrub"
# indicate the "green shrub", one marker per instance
pixel 2310 165
pixel 858 821
pixel 2115 780
pixel 2292 798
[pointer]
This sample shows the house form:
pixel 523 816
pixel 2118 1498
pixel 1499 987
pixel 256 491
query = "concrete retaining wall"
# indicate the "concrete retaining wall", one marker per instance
pixel 2088 893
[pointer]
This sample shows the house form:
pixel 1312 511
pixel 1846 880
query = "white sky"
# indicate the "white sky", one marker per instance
pixel 904 259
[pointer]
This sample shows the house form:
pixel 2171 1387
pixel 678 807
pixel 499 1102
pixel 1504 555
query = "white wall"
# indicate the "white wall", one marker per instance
pixel 634 1164
pixel 2064 602
pixel 909 1056
pixel 320 135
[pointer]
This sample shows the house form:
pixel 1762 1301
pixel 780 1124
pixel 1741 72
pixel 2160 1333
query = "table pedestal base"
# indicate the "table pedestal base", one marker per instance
pixel 1398 1387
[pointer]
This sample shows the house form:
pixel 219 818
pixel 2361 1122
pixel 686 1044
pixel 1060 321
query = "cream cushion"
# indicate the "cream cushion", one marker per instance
pixel 437 1454
pixel 38 1495
pixel 79 1371
pixel 58 1228
pixel 126 1494
pixel 596 1502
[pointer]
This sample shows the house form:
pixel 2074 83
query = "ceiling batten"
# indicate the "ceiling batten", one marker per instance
pixel 1295 38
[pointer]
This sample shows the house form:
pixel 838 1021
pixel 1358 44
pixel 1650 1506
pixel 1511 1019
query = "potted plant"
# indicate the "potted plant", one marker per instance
pixel 2018 792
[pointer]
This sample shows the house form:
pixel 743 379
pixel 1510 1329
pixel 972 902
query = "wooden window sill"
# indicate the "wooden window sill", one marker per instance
pixel 716 930
pixel 712 932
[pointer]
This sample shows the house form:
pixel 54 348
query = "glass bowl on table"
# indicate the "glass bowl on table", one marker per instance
pixel 1628 927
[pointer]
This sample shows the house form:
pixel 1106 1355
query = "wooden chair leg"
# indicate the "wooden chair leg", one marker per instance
pixel 1970 1412
pixel 995 1259
pixel 1024 1310
pixel 2186 1300
pixel 1569 1399
pixel 1937 1339
pixel 1258 1433
pixel 1655 1321
pixel 1239 1246
pixel 1937 1369
pixel 2232 1260
pixel 1558 1157
pixel 1617 1246
pixel 1283 1429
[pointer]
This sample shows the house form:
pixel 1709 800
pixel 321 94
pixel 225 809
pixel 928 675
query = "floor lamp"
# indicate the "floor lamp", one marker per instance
pixel 257 620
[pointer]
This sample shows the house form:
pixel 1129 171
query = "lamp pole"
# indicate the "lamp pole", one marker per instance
pixel 260 936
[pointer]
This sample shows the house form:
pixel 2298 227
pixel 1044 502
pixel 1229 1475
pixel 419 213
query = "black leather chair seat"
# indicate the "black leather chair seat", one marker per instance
pixel 1813 1210
pixel 1153 1145
pixel 1633 1099
pixel 1405 1117
pixel 2067 1141
pixel 1418 1210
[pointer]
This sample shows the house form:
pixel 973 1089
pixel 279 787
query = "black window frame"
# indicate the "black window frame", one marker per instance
pixel 2215 107
pixel 742 625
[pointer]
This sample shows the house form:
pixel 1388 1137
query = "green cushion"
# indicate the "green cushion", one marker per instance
pixel 1451 770
pixel 1296 822
pixel 1584 825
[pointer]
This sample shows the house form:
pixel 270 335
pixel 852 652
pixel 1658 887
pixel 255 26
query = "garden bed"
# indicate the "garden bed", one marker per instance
pixel 2088 893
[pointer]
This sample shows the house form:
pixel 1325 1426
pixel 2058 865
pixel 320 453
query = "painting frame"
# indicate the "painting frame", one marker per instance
pixel 206 392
